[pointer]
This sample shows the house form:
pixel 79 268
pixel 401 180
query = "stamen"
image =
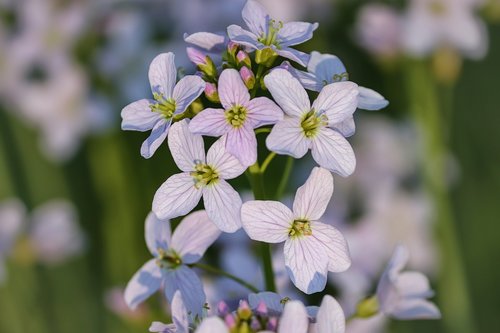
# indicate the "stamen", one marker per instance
pixel 204 175
pixel 236 116
pixel 300 227
pixel 312 121
pixel 168 259
pixel 166 107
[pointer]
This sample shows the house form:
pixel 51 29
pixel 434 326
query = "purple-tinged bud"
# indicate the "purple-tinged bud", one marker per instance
pixel 211 92
pixel 272 324
pixel 222 308
pixel 232 48
pixel 243 59
pixel 230 321
pixel 261 308
pixel 244 311
pixel 202 61
pixel 255 324
pixel 248 77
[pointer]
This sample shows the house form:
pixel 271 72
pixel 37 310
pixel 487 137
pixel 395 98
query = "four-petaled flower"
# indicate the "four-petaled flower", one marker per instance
pixel 312 248
pixel 267 33
pixel 403 295
pixel 169 100
pixel 201 176
pixel 172 253
pixel 319 127
pixel 238 118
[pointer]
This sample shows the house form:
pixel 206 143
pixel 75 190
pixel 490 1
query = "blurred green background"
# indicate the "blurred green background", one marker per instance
pixel 112 188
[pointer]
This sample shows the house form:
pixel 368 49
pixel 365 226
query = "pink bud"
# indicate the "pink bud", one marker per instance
pixel 248 77
pixel 211 92
pixel 243 59
pixel 222 308
pixel 272 324
pixel 230 321
pixel 261 308
pixel 196 56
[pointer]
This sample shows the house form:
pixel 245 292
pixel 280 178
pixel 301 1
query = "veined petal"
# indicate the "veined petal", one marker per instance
pixel 287 92
pixel 137 116
pixel 330 241
pixel 255 17
pixel 313 197
pixel 179 313
pixel 287 137
pixel 294 33
pixel 159 327
pixel 163 74
pixel 306 263
pixel 266 221
pixel 409 309
pixel 143 284
pixel 294 318
pixel 176 197
pixel 242 144
pixel 263 111
pixel 211 122
pixel 298 56
pixel 185 280
pixel 338 101
pixel 332 151
pixel 156 138
pixel 186 91
pixel 193 236
pixel 308 80
pixel 243 37
pixel 347 127
pixel 207 40
pixel 326 67
pixel 212 325
pixel 330 317
pixel 232 89
pixel 223 205
pixel 369 99
pixel 227 166
pixel 187 149
pixel 157 233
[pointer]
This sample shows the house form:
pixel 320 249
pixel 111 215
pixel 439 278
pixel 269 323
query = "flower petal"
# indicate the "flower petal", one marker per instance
pixel 298 56
pixel 413 284
pixel 306 263
pixel 294 318
pixel 294 33
pixel 137 116
pixel 163 74
pixel 212 325
pixel 227 166
pixel 186 91
pixel 207 40
pixel 347 127
pixel 157 233
pixel 243 37
pixel 332 151
pixel 369 99
pixel 287 92
pixel 223 205
pixel 232 89
pixel 325 67
pixel 242 144
pixel 143 284
pixel 266 221
pixel 331 242
pixel 338 101
pixel 193 236
pixel 187 149
pixel 255 17
pixel 179 313
pixel 330 317
pixel 176 197
pixel 270 299
pixel 313 197
pixel 211 122
pixel 263 111
pixel 156 138
pixel 308 80
pixel 409 309
pixel 287 137
pixel 185 280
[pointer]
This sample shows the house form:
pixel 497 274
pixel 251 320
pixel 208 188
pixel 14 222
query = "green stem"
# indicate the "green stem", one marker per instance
pixel 260 71
pixel 284 179
pixel 266 162
pixel 220 272
pixel 263 130
pixel 453 293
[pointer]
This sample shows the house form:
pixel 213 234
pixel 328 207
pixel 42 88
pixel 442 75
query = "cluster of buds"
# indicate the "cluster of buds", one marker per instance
pixel 246 320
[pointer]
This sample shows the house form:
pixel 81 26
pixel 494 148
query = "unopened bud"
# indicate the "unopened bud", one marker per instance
pixel 265 56
pixel 202 61
pixel 272 324
pixel 222 308
pixel 243 59
pixel 248 77
pixel 230 321
pixel 367 307
pixel 232 48
pixel 211 92
pixel 244 328
pixel 261 308
pixel 244 312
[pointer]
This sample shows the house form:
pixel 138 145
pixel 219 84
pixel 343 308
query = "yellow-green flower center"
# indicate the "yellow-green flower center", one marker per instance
pixel 437 7
pixel 164 106
pixel 312 122
pixel 271 38
pixel 168 259
pixel 204 175
pixel 300 227
pixel 236 116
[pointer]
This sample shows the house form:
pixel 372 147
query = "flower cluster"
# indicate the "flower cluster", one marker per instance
pixel 245 85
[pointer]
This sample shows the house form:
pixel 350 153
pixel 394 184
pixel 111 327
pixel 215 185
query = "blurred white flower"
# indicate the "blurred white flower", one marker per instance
pixel 12 221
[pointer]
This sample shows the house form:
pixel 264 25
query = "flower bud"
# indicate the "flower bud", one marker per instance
pixel 266 56
pixel 243 59
pixel 211 92
pixel 232 48
pixel 230 321
pixel 261 308
pixel 222 308
pixel 244 311
pixel 272 324
pixel 367 307
pixel 244 328
pixel 248 77
pixel 202 61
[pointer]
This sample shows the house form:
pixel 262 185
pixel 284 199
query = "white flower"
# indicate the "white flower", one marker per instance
pixel 318 127
pixel 403 295
pixel 201 176
pixel 312 248
pixel 172 253
pixel 179 318
pixel 430 24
